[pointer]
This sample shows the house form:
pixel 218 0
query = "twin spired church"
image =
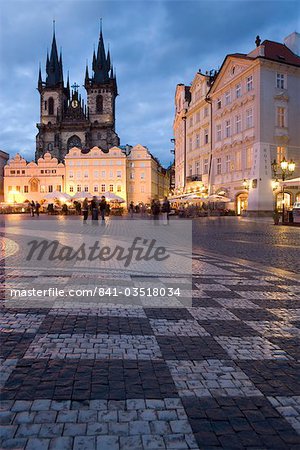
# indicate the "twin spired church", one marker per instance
pixel 65 121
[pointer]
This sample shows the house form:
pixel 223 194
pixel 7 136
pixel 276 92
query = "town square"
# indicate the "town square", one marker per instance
pixel 150 225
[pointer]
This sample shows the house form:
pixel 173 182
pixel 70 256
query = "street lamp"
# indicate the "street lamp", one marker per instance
pixel 246 184
pixel 287 167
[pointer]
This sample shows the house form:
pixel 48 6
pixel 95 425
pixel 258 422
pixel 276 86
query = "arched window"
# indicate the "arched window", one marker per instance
pixel 99 104
pixel 74 141
pixel 50 147
pixel 51 106
pixel 279 201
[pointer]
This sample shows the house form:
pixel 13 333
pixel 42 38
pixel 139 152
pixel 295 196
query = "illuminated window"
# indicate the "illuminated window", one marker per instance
pixel 119 173
pixel 78 187
pixel 96 188
pixel 219 166
pixel 119 188
pixel 25 189
pixel 238 160
pixel 205 166
pixel 102 187
pixel 248 157
pixel 280 154
pixel 111 188
pixel 58 188
pixel 50 188
pixel 71 188
pixel 281 117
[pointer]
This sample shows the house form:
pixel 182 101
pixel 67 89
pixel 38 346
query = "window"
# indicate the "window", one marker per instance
pixel 111 174
pixel 238 160
pixel 71 188
pixel 249 118
pixel 86 188
pixel 280 80
pixel 51 106
pixel 78 175
pixel 12 172
pixel 111 188
pixel 191 122
pixel 219 166
pixel 78 163
pixel 197 141
pixel 99 104
pixel 280 154
pixel 9 188
pixel 281 117
pixel 43 189
pixel 238 90
pixel 45 105
pixel 190 144
pixel 119 188
pixel 238 123
pixel 18 188
pixel 197 168
pixel 103 173
pixel 205 166
pixel 86 174
pixel 219 103
pixel 219 132
pixel 227 98
pixel 18 172
pixel 50 188
pixel 228 163
pixel 26 189
pixel 142 175
pixel 78 187
pixel 96 188
pixel 205 111
pixel 206 136
pixel 248 157
pixel 102 187
pixel 142 189
pixel 198 117
pixel 131 164
pixel 119 174
pixel 190 170
pixel 227 128
pixel 249 83
pixel 50 147
pixel 58 188
pixel 131 175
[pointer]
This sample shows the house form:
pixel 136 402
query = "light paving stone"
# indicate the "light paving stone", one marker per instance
pixel 20 322
pixel 131 442
pixel 211 378
pixel 84 443
pixel 68 416
pixel 210 313
pixel 60 405
pixel 6 368
pixel 289 408
pixel 40 405
pixel 139 427
pixel 274 329
pixel 163 327
pixel 101 346
pixel 108 416
pixel 97 428
pixel 286 314
pixel 119 428
pixel 153 442
pixel 16 443
pixel 135 404
pixel 24 417
pixel 108 443
pixel 87 416
pixel 180 426
pixel 265 295
pixel 21 405
pixel 61 443
pixel 160 427
pixel 236 303
pixel 51 430
pixel 37 444
pixel 28 430
pixel 7 431
pixel 74 429
pixel 45 417
pixel 250 348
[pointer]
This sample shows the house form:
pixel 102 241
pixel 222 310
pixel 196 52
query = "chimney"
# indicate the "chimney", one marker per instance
pixel 293 42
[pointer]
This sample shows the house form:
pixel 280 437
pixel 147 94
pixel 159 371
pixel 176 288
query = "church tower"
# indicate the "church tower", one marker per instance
pixel 101 97
pixel 65 121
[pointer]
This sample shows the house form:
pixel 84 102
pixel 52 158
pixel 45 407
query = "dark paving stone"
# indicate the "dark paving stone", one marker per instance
pixel 227 328
pixel 93 325
pixel 89 379
pixel 190 348
pixel 296 323
pixel 253 314
pixel 273 377
pixel 205 302
pixel 222 294
pixel 7 309
pixel 256 288
pixel 14 345
pixel 168 313
pixel 290 345
pixel 288 304
pixel 212 424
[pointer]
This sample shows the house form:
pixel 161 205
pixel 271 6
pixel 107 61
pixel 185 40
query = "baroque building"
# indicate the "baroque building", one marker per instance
pixel 231 126
pixel 65 120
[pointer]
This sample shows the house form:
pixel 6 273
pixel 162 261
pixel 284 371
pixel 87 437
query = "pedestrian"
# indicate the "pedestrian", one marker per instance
pixel 103 206
pixel 85 209
pixel 143 210
pixel 131 209
pixel 37 209
pixel 78 208
pixel 155 209
pixel 166 211
pixel 94 208
pixel 32 208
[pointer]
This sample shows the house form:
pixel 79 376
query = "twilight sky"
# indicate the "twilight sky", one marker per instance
pixel 154 45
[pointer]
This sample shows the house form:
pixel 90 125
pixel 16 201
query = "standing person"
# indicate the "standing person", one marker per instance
pixel 131 209
pixel 32 208
pixel 166 211
pixel 94 208
pixel 85 209
pixel 155 209
pixel 37 209
pixel 143 210
pixel 103 206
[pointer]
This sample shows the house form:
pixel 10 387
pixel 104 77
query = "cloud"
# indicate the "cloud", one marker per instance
pixel 154 46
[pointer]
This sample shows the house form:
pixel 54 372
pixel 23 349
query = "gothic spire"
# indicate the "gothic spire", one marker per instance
pixel 68 87
pixel 100 64
pixel 40 81
pixel 53 65
pixel 87 78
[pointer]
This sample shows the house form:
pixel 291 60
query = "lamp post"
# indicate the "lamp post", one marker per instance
pixel 287 167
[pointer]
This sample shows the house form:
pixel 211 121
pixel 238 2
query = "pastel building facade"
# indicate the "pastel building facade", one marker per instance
pixel 254 105
pixel 134 176
pixel 3 160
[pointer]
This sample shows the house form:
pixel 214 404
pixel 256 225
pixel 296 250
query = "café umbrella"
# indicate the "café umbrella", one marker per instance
pixel 82 196
pixel 55 195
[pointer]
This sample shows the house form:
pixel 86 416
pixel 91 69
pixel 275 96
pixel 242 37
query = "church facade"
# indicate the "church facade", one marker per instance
pixel 65 120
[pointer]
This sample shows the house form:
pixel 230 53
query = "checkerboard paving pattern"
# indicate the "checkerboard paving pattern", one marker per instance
pixel 221 372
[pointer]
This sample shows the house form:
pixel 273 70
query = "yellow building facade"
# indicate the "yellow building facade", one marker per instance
pixel 135 176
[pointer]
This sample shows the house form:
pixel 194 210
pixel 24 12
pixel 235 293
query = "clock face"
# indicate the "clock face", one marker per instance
pixel 74 104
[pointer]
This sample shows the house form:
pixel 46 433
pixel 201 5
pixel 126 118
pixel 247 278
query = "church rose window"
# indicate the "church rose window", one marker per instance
pixel 51 106
pixel 99 104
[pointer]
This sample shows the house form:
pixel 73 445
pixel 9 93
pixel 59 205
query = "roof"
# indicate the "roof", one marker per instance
pixel 281 53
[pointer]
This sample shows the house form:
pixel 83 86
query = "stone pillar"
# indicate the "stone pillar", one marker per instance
pixel 261 199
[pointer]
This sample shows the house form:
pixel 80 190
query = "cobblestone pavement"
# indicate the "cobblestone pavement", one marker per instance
pixel 220 374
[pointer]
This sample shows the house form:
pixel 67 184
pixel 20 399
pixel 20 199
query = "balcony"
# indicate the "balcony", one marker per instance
pixel 195 177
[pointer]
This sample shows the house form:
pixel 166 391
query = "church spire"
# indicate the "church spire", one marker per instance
pixel 87 77
pixel 53 65
pixel 100 64
pixel 40 81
